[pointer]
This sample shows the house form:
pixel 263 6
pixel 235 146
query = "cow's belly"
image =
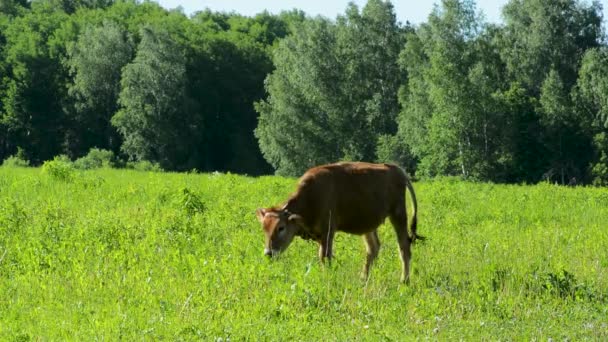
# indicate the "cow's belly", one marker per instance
pixel 360 222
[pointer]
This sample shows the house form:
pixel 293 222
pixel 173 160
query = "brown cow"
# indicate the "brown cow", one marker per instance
pixel 350 197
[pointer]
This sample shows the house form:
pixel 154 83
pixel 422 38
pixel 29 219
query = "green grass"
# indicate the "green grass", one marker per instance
pixel 128 255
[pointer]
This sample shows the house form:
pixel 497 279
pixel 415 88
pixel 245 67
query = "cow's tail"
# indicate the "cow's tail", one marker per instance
pixel 414 223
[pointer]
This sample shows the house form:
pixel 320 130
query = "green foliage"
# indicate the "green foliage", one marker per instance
pixel 565 285
pixel 295 132
pixel 232 63
pixel 442 120
pixel 15 161
pixel 71 6
pixel 33 88
pixel 520 101
pixel 567 145
pixel 334 90
pixel 121 256
pixel 599 169
pixel 60 168
pixel 154 102
pixel 592 86
pixel 472 107
pixel 542 45
pixel 188 201
pixel 541 35
pixel 61 64
pixel 96 61
pixel 13 7
pixel 392 149
pixel 554 100
pixel 96 158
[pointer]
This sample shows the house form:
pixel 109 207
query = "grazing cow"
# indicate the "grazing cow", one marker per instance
pixel 353 198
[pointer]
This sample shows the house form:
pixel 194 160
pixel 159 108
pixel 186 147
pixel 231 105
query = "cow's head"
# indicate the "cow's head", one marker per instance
pixel 280 227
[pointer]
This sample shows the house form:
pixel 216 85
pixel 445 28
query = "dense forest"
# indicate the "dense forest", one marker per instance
pixel 525 100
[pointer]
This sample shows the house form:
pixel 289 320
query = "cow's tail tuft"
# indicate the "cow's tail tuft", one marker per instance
pixel 414 223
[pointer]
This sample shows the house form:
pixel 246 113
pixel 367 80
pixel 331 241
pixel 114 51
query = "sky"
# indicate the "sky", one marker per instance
pixel 414 11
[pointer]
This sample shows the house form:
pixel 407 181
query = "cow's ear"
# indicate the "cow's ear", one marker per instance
pixel 260 213
pixel 295 218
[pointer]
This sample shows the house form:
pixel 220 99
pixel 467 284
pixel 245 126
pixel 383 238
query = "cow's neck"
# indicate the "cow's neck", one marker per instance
pixel 295 206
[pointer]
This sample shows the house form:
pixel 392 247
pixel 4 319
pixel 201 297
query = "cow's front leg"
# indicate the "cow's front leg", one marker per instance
pixel 326 241
pixel 325 251
pixel 326 248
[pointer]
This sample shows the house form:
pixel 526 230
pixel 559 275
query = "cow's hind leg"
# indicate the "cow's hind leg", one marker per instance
pixel 372 245
pixel 399 221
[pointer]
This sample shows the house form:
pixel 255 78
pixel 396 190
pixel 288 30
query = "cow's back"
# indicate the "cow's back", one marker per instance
pixel 359 195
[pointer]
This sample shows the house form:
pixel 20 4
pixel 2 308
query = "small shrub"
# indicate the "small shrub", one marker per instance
pixel 19 159
pixel 14 161
pixel 95 159
pixel 565 285
pixel 59 168
pixel 188 201
pixel 144 165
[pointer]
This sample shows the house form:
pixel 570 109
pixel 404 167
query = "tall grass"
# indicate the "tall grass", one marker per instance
pixel 128 255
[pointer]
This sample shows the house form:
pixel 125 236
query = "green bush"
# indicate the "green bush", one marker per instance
pixel 59 168
pixel 19 159
pixel 189 202
pixel 95 159
pixel 15 161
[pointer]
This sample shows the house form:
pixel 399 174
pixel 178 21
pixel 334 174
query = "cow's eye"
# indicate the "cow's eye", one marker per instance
pixel 281 229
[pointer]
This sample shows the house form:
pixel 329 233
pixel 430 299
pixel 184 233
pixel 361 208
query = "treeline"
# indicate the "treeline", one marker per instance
pixel 518 102
pixel 135 79
pixel 522 101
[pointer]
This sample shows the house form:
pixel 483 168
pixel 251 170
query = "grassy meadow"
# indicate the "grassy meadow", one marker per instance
pixel 129 255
